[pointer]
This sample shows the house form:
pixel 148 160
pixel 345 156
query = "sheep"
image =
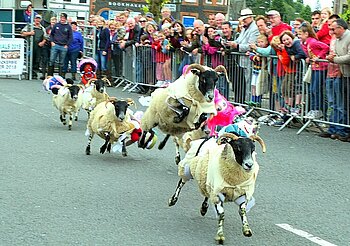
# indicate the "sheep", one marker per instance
pixel 110 120
pixel 183 105
pixel 225 170
pixel 94 94
pixel 68 101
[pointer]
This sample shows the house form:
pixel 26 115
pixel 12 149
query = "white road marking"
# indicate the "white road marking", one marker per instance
pixel 306 235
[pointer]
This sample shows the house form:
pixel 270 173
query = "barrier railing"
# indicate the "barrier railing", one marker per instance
pixel 266 86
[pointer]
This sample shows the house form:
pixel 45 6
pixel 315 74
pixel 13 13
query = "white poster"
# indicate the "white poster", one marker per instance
pixel 11 56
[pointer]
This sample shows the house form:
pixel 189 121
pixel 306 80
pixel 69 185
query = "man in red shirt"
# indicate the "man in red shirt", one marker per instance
pixel 278 26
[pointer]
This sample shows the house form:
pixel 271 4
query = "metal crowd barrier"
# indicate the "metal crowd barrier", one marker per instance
pixel 270 88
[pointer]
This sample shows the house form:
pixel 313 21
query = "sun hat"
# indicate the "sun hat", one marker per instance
pixel 273 13
pixel 245 13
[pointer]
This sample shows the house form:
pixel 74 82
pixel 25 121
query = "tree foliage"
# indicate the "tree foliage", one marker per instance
pixel 346 14
pixel 306 13
pixel 155 7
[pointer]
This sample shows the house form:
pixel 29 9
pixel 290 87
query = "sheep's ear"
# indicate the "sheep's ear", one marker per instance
pixel 195 71
pixel 130 102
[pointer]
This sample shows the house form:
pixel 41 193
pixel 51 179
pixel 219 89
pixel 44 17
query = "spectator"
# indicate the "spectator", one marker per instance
pixel 219 19
pixel 102 42
pixel 211 20
pixel 342 49
pixel 316 20
pixel 276 23
pixel 150 18
pixel 75 49
pixel 315 50
pixel 259 65
pixel 196 47
pixel 39 39
pixel 161 57
pixel 46 50
pixel 117 51
pixel 296 24
pixel 132 34
pixel 27 14
pixel 263 25
pixel 61 36
pixel 323 34
pixel 246 37
pixel 142 24
pixel 166 13
pixel 293 92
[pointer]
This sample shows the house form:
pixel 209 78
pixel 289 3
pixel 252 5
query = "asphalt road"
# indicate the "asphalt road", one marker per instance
pixel 53 194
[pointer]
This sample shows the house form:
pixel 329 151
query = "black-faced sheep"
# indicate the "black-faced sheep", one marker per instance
pixel 68 101
pixel 94 94
pixel 183 105
pixel 109 120
pixel 226 171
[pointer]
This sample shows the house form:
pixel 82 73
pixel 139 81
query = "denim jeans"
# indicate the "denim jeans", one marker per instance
pixel 58 51
pixel 335 95
pixel 101 60
pixel 71 57
pixel 316 89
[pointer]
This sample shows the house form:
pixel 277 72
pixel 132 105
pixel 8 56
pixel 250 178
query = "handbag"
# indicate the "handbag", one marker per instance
pixel 307 75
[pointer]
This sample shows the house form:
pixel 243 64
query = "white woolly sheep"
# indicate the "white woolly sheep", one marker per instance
pixel 226 171
pixel 109 120
pixel 94 94
pixel 68 101
pixel 183 105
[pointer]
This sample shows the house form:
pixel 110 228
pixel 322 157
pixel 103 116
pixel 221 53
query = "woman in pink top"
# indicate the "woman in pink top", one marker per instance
pixel 315 50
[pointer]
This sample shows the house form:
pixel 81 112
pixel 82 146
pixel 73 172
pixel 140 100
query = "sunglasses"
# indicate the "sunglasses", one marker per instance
pixel 143 21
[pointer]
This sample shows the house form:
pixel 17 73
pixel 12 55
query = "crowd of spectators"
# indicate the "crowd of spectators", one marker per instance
pixel 324 44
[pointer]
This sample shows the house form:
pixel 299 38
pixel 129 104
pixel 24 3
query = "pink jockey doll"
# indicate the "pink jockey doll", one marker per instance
pixel 226 113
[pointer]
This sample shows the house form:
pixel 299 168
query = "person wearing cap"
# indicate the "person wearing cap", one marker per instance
pixel 278 26
pixel 27 14
pixel 61 36
pixel 39 38
pixel 150 18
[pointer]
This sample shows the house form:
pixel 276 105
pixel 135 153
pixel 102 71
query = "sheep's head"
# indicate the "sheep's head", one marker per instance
pixel 99 84
pixel 74 91
pixel 243 148
pixel 207 80
pixel 120 107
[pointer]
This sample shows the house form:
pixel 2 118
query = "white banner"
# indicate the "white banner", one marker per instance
pixel 11 56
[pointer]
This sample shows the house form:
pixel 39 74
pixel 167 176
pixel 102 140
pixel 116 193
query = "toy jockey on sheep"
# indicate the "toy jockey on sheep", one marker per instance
pixel 87 68
pixel 54 83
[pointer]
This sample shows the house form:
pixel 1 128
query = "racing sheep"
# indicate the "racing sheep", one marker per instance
pixel 183 105
pixel 68 101
pixel 110 120
pixel 225 170
pixel 94 94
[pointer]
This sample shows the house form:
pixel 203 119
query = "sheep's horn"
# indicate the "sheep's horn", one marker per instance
pixel 227 135
pixel 90 81
pixel 260 141
pixel 107 81
pixel 222 69
pixel 196 66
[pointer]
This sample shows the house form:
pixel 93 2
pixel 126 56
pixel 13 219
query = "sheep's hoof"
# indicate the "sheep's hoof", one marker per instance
pixel 204 209
pixel 76 118
pixel 103 149
pixel 87 151
pixel 247 232
pixel 172 201
pixel 70 127
pixel 124 154
pixel 220 238
pixel 177 160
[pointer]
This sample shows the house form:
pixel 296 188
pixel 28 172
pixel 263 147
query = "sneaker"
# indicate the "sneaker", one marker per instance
pixel 314 114
pixel 325 135
pixel 277 123
pixel 310 114
pixel 295 111
pixel 344 138
pixel 159 83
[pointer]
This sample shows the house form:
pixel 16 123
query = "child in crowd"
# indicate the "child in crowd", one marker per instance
pixel 293 81
pixel 160 47
pixel 315 50
pixel 257 60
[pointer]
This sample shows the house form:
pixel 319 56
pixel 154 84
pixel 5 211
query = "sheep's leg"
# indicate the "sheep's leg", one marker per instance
pixel 245 225
pixel 124 152
pixel 104 146
pixel 205 206
pixel 163 143
pixel 177 153
pixel 76 116
pixel 87 150
pixel 172 201
pixel 141 143
pixel 220 237
pixel 70 123
pixel 63 118
pixel 109 146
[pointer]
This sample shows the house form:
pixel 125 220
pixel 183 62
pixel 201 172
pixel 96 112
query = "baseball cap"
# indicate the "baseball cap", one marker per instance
pixel 149 15
pixel 273 12
pixel 38 16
